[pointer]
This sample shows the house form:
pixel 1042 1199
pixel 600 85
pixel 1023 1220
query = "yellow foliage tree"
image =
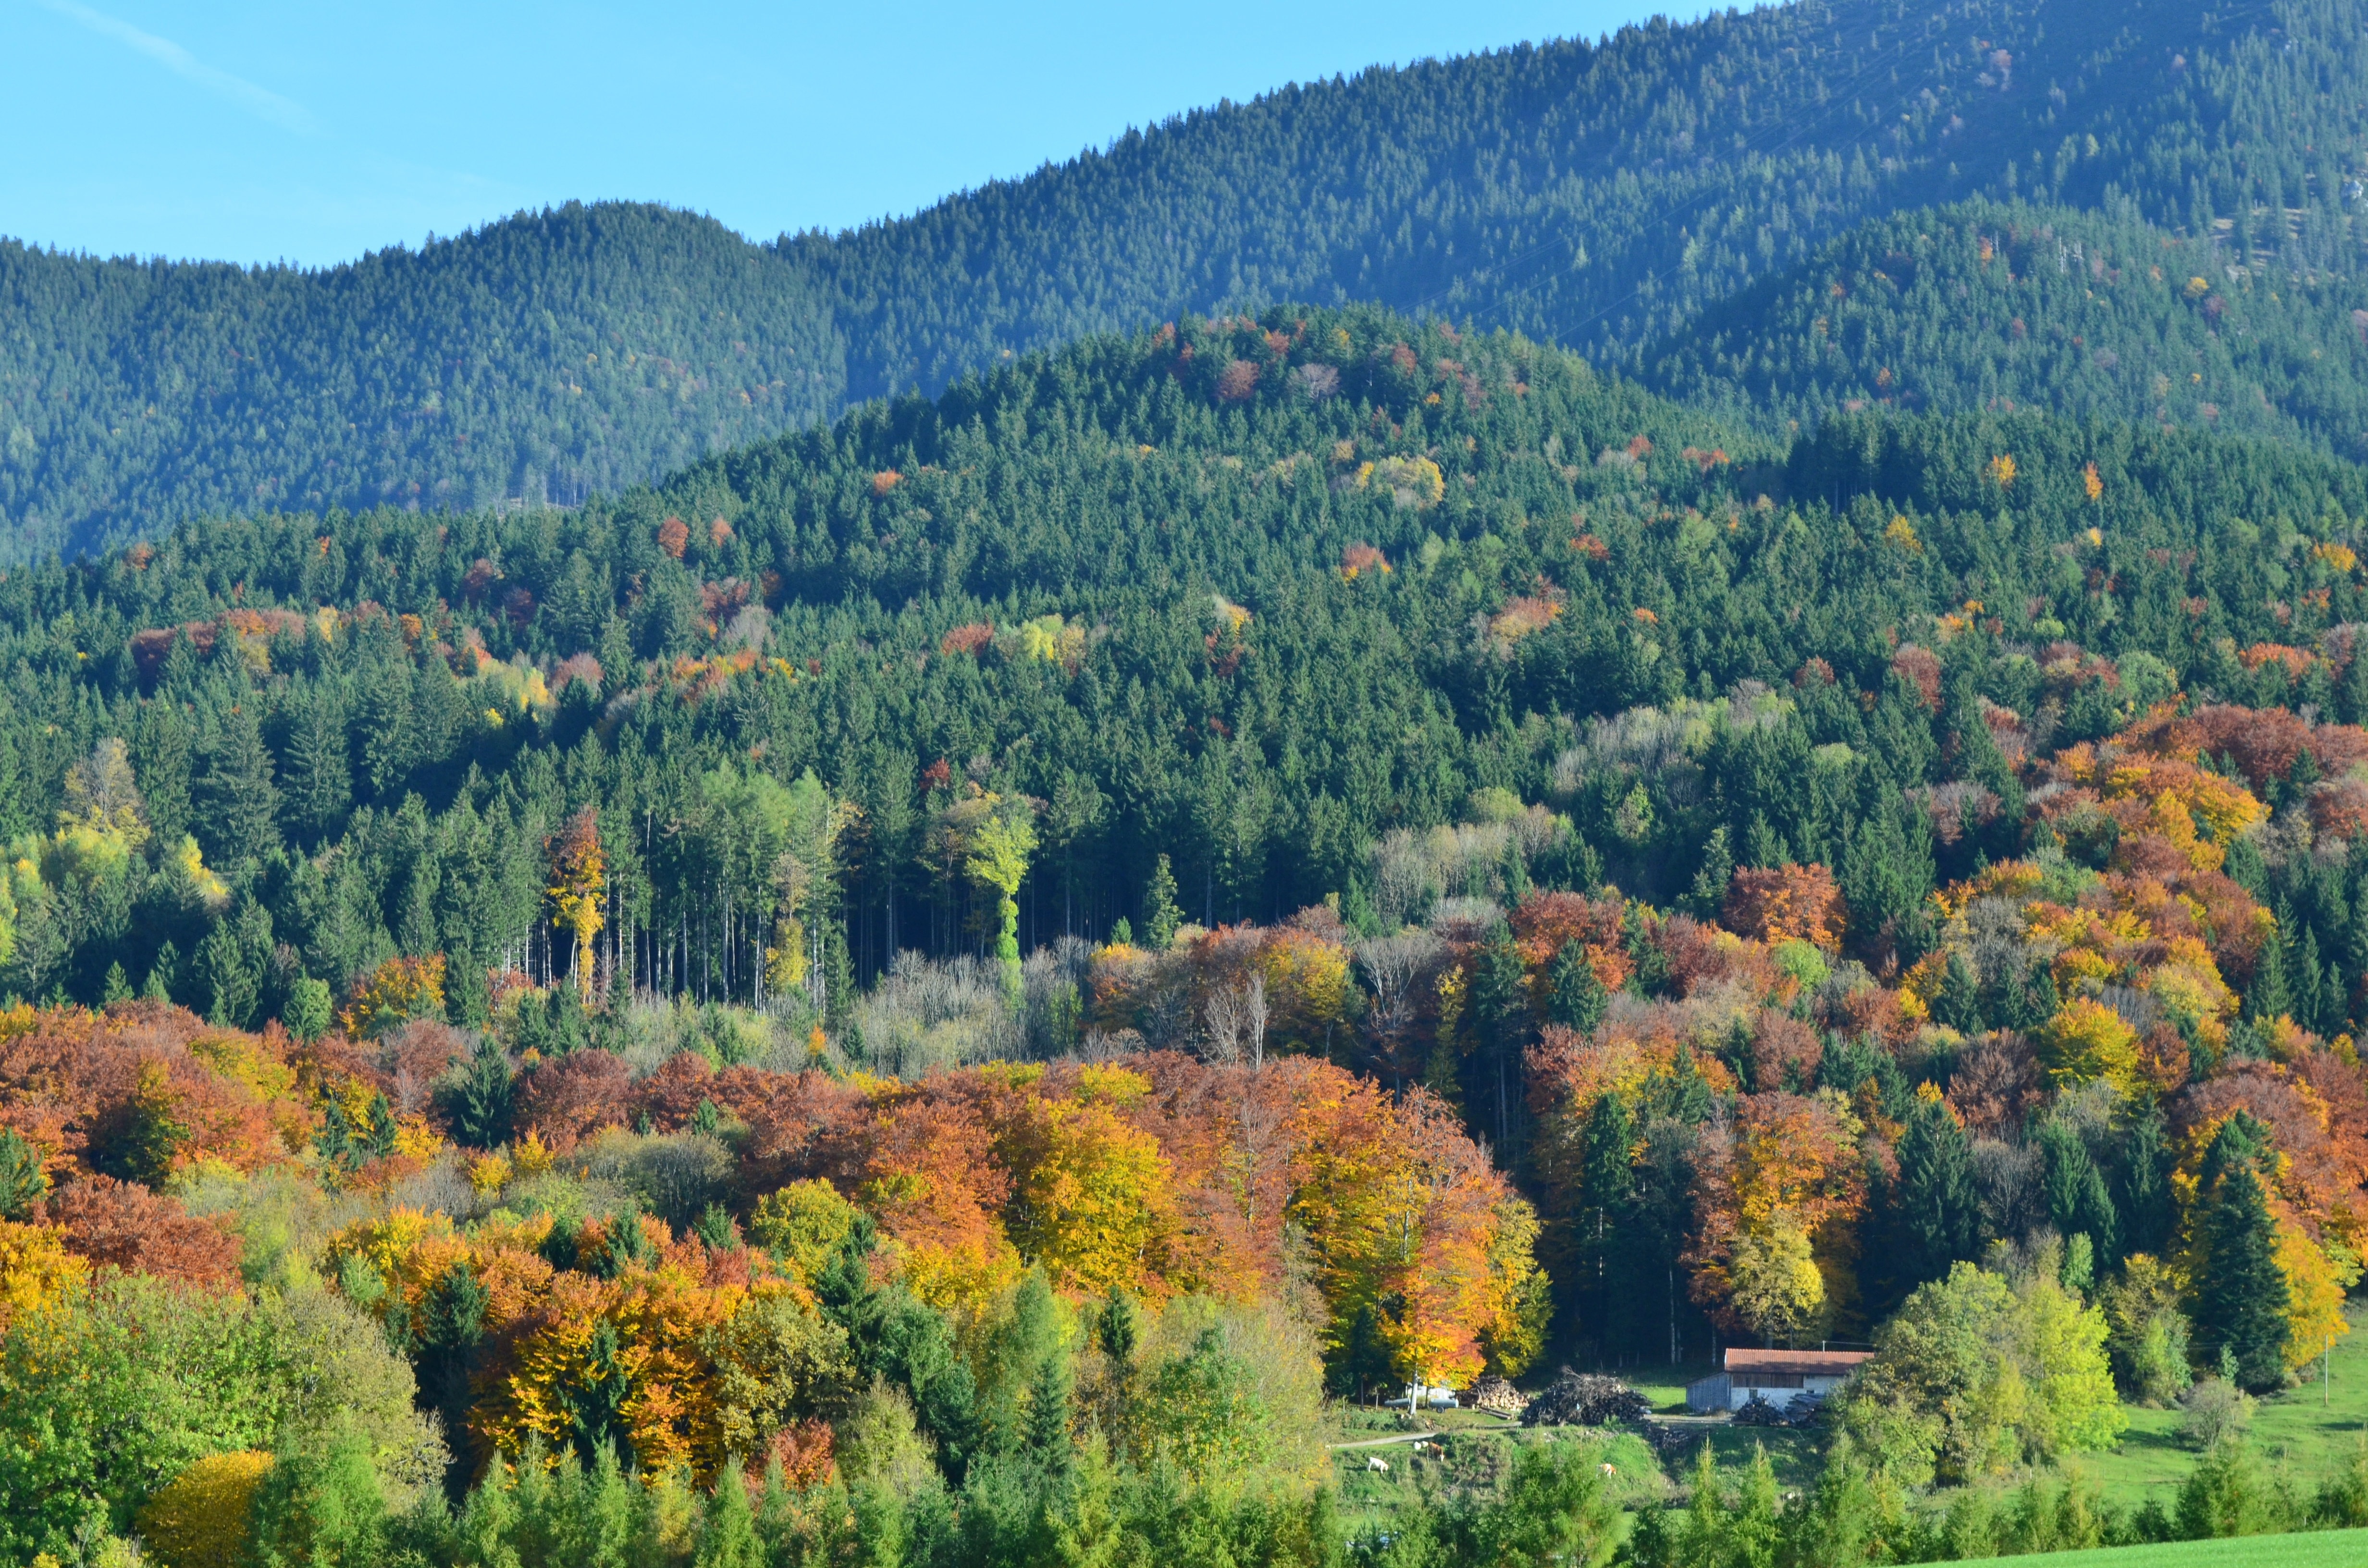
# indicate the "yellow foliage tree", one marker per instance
pixel 997 860
pixel 2313 1295
pixel 200 1518
pixel 579 879
pixel 1093 1202
pixel 2087 1041
pixel 35 1268
pixel 803 1224
pixel 396 992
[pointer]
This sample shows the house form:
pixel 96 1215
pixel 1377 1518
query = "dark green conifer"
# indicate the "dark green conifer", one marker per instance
pixel 1576 998
pixel 2240 1295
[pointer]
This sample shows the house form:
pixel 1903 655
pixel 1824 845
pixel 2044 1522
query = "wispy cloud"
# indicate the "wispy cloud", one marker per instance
pixel 258 101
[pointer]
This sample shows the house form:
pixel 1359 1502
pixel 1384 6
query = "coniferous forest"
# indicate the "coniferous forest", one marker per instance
pixel 760 905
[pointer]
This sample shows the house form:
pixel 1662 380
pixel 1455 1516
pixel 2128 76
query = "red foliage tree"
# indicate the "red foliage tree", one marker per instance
pixel 123 1225
pixel 1781 904
pixel 567 1100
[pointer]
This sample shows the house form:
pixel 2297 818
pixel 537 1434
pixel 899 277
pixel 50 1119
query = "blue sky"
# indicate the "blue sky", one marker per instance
pixel 259 130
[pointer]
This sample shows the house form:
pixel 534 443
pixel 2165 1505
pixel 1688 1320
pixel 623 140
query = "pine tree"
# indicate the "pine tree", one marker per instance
pixel 2241 1297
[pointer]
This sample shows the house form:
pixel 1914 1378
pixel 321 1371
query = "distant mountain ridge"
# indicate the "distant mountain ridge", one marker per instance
pixel 1600 196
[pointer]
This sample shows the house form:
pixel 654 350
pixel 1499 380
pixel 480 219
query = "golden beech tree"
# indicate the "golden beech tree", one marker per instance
pixel 1093 1196
pixel 579 879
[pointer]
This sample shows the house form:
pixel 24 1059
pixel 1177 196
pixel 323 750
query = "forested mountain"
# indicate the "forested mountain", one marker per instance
pixel 1124 580
pixel 1988 306
pixel 1777 757
pixel 968 967
pixel 1598 196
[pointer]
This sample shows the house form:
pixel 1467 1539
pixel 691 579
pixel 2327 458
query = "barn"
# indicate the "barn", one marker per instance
pixel 1780 1376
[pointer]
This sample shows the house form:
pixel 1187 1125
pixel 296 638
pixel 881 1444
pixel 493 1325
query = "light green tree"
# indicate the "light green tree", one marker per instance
pixel 997 860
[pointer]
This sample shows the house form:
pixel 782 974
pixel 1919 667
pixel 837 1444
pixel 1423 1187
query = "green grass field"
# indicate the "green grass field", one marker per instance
pixel 2307 1433
pixel 2331 1549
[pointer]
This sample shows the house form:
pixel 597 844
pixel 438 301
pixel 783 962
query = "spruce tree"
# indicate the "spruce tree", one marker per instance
pixel 237 808
pixel 1708 892
pixel 319 786
pixel 1575 998
pixel 1959 1005
pixel 1937 1210
pixel 2149 1207
pixel 483 1100
pixel 2241 1298
pixel 2268 996
pixel 1501 1005
pixel 1607 1186
pixel 160 761
pixel 2078 1201
pixel 2351 692
pixel 1160 915
pixel 727 1536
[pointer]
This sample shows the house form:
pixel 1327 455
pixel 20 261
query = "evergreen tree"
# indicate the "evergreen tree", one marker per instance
pixel 481 1101
pixel 2078 1201
pixel 1500 1006
pixel 309 1009
pixel 1576 997
pixel 24 1181
pixel 1959 1005
pixel 1708 895
pixel 1607 1188
pixel 2351 693
pixel 2149 1207
pixel 237 808
pixel 2268 996
pixel 16 800
pixel 1937 1210
pixel 727 1535
pixel 2240 1295
pixel 231 962
pixel 1161 915
pixel 163 973
pixel 319 788
pixel 160 761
